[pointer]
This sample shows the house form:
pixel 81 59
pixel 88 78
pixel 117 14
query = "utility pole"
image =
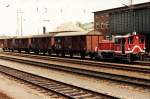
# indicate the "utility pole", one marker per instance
pixel 19 28
pixel 132 15
pixel 45 20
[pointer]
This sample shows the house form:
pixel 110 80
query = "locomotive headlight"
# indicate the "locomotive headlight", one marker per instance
pixel 128 49
pixel 144 48
pixel 137 37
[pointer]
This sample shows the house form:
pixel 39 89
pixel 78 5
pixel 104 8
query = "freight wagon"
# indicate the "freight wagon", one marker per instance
pixel 36 43
pixel 61 43
pixel 77 43
pixel 41 43
pixel 1 42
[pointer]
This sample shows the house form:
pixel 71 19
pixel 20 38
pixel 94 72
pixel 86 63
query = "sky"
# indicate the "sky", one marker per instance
pixel 32 15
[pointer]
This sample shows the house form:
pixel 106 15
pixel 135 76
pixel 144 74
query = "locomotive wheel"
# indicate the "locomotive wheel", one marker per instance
pixel 129 58
pixel 142 56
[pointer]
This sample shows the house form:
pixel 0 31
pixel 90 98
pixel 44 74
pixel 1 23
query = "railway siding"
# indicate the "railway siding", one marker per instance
pixel 96 84
pixel 111 76
pixel 143 73
pixel 66 90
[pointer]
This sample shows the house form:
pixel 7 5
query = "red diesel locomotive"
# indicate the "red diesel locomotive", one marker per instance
pixel 127 47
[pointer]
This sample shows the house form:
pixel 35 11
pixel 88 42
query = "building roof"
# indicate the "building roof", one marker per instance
pixel 136 6
pixel 70 27
pixel 78 33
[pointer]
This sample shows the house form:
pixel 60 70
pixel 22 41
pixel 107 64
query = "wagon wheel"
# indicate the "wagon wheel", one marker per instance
pixel 49 52
pixel 44 52
pixel 91 55
pixel 12 50
pixel 82 54
pixel 57 53
pixel 36 52
pixel 28 51
pixel 71 54
pixel 19 50
pixel 63 54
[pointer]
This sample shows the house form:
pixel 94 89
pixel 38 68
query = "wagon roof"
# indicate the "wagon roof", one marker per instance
pixel 78 33
pixel 43 35
pixel 6 37
pixel 34 36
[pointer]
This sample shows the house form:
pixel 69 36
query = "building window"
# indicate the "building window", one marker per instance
pixel 102 25
pixel 107 25
pixel 97 25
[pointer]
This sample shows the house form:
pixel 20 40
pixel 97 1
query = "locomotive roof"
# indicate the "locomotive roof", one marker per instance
pixel 122 36
pixel 125 36
pixel 78 33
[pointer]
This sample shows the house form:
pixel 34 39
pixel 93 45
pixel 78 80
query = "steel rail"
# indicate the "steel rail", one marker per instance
pixel 115 77
pixel 63 89
pixel 91 63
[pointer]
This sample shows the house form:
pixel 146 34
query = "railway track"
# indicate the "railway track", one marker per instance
pixel 65 90
pixel 137 68
pixel 114 77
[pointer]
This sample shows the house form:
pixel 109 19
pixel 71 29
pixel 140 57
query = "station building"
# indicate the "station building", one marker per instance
pixel 124 20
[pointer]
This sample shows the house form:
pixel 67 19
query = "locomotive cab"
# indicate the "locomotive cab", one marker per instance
pixel 130 47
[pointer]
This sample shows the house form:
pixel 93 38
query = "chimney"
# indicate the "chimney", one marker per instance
pixel 44 29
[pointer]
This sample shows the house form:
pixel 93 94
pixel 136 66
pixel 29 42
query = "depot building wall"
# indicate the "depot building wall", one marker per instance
pixel 124 20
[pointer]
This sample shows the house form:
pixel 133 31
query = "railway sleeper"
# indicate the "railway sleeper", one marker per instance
pixel 57 87
pixel 64 89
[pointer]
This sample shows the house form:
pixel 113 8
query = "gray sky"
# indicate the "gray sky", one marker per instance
pixel 54 12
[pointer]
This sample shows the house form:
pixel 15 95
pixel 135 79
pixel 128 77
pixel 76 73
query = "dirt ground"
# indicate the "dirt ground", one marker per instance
pixel 99 85
pixel 4 96
pixel 10 89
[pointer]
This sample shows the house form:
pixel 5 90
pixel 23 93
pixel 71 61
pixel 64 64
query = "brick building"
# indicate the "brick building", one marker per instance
pixel 124 20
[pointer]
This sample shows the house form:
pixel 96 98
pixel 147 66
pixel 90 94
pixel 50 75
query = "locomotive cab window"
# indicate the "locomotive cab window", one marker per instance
pixel 141 40
pixel 117 41
pixel 130 40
